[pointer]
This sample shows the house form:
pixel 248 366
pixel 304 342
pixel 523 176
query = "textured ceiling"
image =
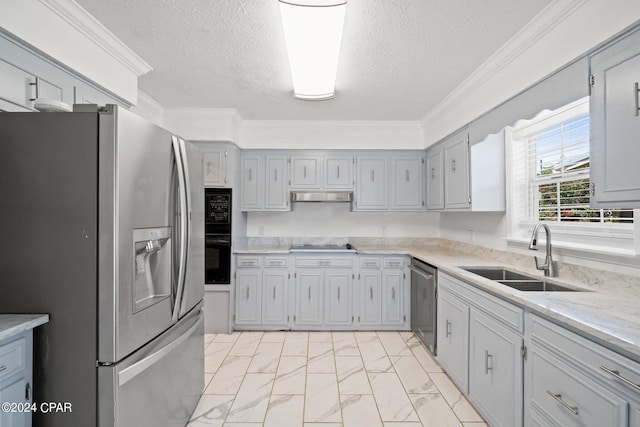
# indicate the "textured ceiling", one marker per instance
pixel 399 57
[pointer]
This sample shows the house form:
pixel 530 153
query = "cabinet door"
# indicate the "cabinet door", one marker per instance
pixel 305 172
pixel 252 189
pixel 615 125
pixel 434 178
pixel 338 172
pixel 453 338
pixel 370 309
pixel 338 304
pixel 17 88
pixel 456 172
pixel 274 296
pixel 406 183
pixel 248 284
pixel 85 94
pixel 309 297
pixel 372 184
pixel 277 191
pixel 14 393
pixel 215 162
pixel 495 370
pixel 393 297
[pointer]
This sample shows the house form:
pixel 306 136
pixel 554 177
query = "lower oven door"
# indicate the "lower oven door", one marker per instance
pixel 159 384
pixel 217 260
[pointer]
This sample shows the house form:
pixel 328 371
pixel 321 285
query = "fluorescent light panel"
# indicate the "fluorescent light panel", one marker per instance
pixel 313 32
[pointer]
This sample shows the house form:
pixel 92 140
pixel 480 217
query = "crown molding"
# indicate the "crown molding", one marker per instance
pixel 547 20
pixel 82 21
pixel 330 124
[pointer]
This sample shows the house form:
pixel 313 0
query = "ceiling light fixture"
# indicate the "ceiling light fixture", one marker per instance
pixel 313 32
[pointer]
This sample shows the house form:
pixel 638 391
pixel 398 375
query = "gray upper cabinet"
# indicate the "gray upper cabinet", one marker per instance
pixel 305 172
pixel 215 167
pixel 372 184
pixel 615 125
pixel 406 183
pixel 456 172
pixel 264 182
pixel 338 172
pixel 434 178
pixel 26 76
pixel 463 177
pixel 252 190
pixel 277 189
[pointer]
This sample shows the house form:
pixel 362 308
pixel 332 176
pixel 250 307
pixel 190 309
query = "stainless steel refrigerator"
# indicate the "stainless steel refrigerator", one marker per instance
pixel 102 219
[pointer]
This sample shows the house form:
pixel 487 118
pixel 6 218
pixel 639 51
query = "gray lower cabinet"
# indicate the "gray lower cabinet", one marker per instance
pixel 453 336
pixel 480 338
pixel 16 379
pixel 321 292
pixel 571 381
pixel 495 370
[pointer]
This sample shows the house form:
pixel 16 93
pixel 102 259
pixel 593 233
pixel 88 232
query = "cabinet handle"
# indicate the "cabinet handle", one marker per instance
pixel 309 293
pixel 558 397
pixel 338 167
pixel 27 392
pixel 394 264
pixel 453 165
pixel 250 174
pixel 617 375
pixel 247 293
pixel 636 93
pixel 2 368
pixel 305 172
pixel 324 263
pixel 37 88
pixel 433 172
pixel 487 356
pixel 209 169
pixel 338 294
pixel 274 292
pixel 275 175
pixel 393 294
pixel 371 293
pixel 373 175
pixel 407 175
pixel 447 329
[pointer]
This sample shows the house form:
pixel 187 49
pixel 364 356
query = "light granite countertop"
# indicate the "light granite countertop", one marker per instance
pixel 12 324
pixel 608 311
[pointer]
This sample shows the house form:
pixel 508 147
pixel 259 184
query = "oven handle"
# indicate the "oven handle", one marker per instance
pixel 226 241
pixel 421 272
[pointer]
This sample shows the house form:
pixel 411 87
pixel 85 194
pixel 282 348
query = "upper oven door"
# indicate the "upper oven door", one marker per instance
pixel 217 210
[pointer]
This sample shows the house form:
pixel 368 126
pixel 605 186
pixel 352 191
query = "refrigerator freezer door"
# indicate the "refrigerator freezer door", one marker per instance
pixel 193 291
pixel 158 385
pixel 134 186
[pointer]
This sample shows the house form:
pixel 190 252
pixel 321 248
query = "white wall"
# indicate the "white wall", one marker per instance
pixel 335 220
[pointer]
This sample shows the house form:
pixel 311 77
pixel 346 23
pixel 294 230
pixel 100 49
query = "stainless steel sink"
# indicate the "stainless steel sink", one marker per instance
pixel 518 281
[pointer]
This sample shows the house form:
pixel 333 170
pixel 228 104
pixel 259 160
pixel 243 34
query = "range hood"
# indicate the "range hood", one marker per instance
pixel 322 196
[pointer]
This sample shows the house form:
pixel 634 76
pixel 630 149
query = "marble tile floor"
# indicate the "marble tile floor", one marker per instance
pixel 327 379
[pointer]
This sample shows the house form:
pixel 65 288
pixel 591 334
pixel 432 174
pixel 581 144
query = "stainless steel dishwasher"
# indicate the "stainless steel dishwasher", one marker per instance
pixel 424 286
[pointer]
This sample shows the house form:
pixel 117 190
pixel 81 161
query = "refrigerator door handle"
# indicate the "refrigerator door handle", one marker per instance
pixel 182 258
pixel 187 238
pixel 137 368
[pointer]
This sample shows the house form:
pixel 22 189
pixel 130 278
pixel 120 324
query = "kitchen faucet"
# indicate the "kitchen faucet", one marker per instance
pixel 549 266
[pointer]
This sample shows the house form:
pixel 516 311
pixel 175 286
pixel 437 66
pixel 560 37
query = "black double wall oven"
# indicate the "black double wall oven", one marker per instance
pixel 217 236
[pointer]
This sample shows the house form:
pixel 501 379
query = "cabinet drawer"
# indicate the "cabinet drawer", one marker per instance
pixel 12 358
pixel 248 261
pixel 370 262
pixel 393 262
pixel 606 366
pixel 325 262
pixel 276 262
pixel 570 398
pixel 504 311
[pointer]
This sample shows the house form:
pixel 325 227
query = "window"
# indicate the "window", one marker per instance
pixel 550 181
